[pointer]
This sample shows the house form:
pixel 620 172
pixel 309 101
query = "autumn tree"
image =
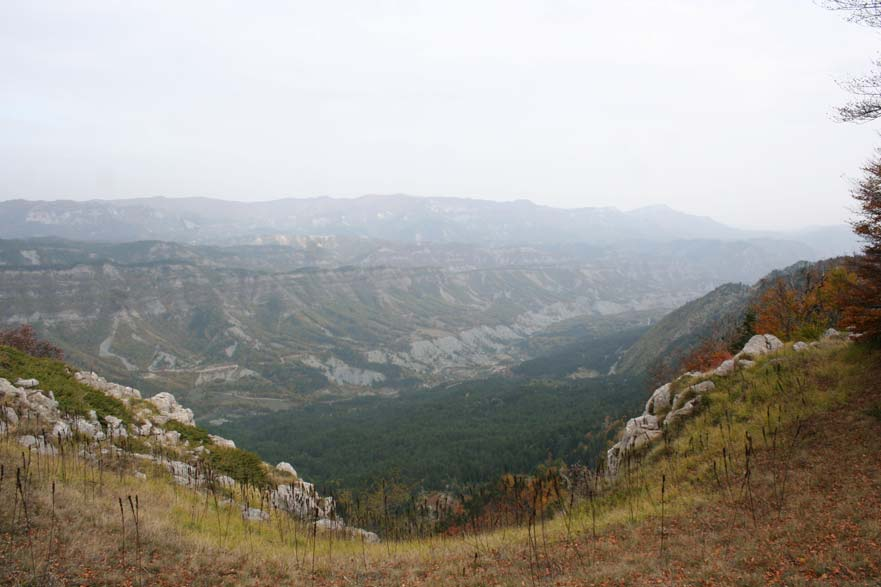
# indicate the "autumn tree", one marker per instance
pixel 864 311
pixel 778 311
pixel 24 338
pixel 805 308
pixel 707 355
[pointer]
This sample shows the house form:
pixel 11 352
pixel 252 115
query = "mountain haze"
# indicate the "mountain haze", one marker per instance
pixel 393 217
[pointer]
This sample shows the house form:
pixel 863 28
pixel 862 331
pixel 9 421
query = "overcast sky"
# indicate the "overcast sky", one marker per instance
pixel 717 108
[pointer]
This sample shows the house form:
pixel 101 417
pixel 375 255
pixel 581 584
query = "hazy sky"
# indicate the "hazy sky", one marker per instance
pixel 717 108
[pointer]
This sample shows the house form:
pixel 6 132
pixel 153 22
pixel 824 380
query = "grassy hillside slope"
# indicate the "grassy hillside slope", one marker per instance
pixel 777 481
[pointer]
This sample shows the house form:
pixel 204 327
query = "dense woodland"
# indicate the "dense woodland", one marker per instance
pixel 447 437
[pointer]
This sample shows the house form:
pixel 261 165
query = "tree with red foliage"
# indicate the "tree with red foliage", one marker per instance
pixel 708 355
pixel 24 338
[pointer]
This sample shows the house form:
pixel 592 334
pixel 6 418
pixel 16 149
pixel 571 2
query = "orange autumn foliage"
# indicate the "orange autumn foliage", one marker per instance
pixel 708 355
pixel 863 312
pixel 805 312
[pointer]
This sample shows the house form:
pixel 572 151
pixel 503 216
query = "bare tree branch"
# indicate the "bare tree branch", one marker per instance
pixel 867 106
pixel 860 11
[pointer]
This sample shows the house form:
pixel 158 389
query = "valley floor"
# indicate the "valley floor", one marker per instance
pixel 803 509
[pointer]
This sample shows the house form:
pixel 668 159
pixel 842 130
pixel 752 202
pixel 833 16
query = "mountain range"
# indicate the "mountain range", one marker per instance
pixel 389 217
pixel 248 307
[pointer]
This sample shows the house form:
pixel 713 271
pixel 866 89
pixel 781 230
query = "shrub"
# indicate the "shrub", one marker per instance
pixel 709 354
pixel 242 465
pixel 73 397
pixel 192 434
pixel 25 339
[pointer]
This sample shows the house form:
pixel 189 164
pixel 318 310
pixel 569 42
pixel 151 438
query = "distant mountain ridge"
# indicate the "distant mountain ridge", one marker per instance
pixel 393 218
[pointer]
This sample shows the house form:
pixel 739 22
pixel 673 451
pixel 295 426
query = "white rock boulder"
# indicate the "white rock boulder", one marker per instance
pixel 254 514
pixel 9 415
pixel 61 429
pixel 703 387
pixel 169 409
pixel 760 344
pixel 286 468
pixel 726 368
pixel 659 401
pixel 221 441
pixel 95 381
pixel 685 411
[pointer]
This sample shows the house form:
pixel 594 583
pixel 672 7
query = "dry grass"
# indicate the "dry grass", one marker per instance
pixel 808 513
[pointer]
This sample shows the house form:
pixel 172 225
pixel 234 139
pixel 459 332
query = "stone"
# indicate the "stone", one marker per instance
pixel 225 481
pixel 301 499
pixel 689 374
pixel 145 429
pixel 286 468
pixel 659 401
pixel 746 363
pixel 726 368
pixel 6 388
pixel 90 429
pixel 831 333
pixel 9 415
pixel 800 346
pixel 37 443
pixel 94 381
pixel 38 398
pixel 637 432
pixel 703 387
pixel 327 524
pixel 683 412
pixel 170 409
pixel 644 422
pixel 27 440
pixel 368 537
pixel 113 422
pixel 254 514
pixel 644 437
pixel 760 344
pixel 141 476
pixel 183 473
pixel 27 383
pixel 221 441
pixel 61 429
pixel 172 436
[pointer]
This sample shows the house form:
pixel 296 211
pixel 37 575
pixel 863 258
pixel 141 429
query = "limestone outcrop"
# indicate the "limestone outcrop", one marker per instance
pixel 169 409
pixel 678 400
pixel 25 404
pixel 758 345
